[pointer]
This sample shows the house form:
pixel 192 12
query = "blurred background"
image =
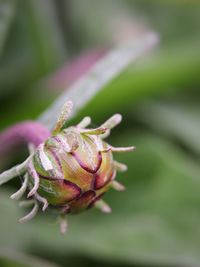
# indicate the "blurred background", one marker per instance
pixel 47 45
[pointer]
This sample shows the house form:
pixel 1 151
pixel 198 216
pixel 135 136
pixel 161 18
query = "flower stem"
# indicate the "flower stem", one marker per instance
pixel 24 133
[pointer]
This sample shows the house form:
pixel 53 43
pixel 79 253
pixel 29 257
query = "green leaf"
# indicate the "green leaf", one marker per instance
pixel 7 9
pixel 47 39
pixel 175 120
pixel 13 258
pixel 34 48
pixel 166 71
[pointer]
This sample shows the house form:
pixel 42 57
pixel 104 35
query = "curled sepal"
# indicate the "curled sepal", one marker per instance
pixel 36 179
pixel 32 213
pixel 63 224
pixel 120 166
pixel 84 123
pixel 103 206
pixel 96 131
pixel 112 121
pixel 117 186
pixel 63 117
pixel 17 195
pixel 122 149
pixel 110 124
pixel 42 200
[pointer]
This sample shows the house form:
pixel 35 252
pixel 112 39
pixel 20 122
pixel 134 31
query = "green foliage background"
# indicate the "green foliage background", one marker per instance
pixel 155 222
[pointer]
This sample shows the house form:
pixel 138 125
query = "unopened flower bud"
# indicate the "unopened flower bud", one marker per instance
pixel 73 168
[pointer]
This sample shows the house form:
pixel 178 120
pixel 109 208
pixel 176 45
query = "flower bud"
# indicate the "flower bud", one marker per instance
pixel 74 173
pixel 72 169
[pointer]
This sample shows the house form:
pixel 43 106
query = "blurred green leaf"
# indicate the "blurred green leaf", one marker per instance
pixel 34 48
pixel 155 221
pixel 168 17
pixel 7 12
pixel 98 28
pixel 46 33
pixel 164 72
pixel 13 258
pixel 180 120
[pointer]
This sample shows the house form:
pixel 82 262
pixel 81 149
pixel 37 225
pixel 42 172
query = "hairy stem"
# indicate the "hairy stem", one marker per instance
pixel 24 133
